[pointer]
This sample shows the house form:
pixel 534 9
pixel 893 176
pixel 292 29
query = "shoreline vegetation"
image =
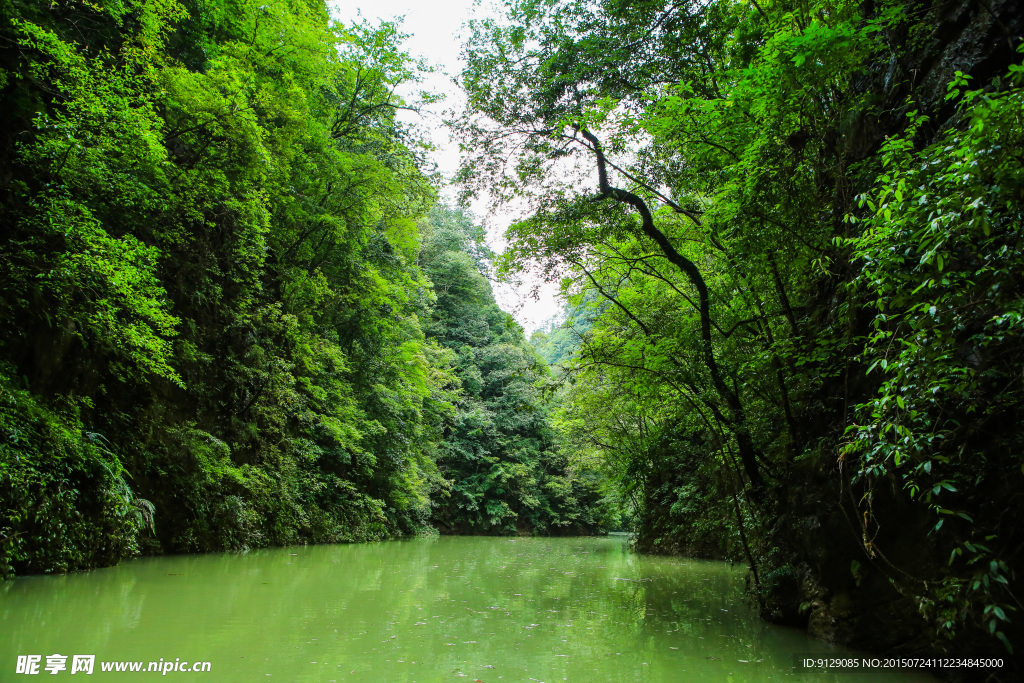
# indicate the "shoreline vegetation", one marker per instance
pixel 788 237
pixel 236 314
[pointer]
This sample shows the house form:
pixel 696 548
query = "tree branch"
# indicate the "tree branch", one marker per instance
pixel 693 274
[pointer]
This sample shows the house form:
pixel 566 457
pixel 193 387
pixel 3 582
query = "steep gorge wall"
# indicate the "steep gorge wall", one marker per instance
pixel 825 571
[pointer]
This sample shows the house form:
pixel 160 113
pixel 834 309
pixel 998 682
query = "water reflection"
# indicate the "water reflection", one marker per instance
pixel 483 609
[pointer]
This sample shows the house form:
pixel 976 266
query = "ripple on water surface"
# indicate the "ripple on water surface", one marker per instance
pixel 440 609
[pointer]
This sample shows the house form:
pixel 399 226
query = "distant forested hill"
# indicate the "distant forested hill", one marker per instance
pixel 501 453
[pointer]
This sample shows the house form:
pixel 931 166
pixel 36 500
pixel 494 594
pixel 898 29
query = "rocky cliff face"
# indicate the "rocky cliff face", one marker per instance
pixel 820 576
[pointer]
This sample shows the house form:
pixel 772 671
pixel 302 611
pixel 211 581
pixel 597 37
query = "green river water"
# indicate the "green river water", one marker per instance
pixel 434 609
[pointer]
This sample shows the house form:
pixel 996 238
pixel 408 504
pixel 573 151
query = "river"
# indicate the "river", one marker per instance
pixel 430 609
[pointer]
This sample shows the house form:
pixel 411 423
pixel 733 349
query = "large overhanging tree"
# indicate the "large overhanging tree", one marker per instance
pixel 647 227
pixel 640 122
pixel 697 165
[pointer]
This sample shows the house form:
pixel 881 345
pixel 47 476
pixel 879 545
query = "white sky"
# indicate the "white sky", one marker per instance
pixel 435 30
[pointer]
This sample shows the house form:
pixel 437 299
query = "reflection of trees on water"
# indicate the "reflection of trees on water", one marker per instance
pixel 550 606
pixel 595 591
pixel 261 601
pixel 55 613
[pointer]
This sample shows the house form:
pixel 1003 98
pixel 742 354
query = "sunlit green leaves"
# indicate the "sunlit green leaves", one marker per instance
pixel 213 247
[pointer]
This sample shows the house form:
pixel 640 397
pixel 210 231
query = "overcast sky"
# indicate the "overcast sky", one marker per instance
pixel 435 33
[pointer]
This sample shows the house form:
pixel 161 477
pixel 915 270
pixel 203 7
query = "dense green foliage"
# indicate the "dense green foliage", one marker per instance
pixel 561 336
pixel 213 294
pixel 506 470
pixel 803 256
